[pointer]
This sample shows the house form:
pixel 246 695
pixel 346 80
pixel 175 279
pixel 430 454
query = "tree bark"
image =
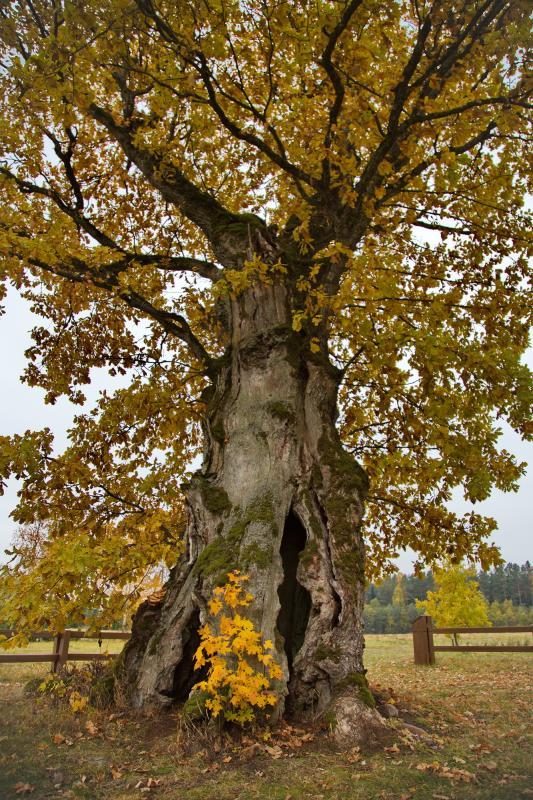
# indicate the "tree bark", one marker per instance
pixel 278 498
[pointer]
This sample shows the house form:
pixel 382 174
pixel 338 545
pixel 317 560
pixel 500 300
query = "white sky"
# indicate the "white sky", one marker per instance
pixel 23 408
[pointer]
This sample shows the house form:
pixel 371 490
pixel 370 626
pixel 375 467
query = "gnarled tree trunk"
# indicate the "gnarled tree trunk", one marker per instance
pixel 279 499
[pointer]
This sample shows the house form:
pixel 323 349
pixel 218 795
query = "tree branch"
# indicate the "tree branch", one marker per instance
pixel 401 184
pixel 442 64
pixel 105 277
pixel 27 187
pixel 65 156
pixel 198 62
pixel 138 508
pixel 335 78
pixel 479 23
pixel 488 101
pixel 206 269
pixel 198 206
pixel 280 159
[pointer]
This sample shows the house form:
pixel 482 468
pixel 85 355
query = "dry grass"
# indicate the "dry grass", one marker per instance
pixel 474 706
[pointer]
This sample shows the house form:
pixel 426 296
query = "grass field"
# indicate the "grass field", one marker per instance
pixel 475 708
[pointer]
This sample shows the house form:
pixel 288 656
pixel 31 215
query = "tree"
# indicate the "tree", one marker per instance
pixel 418 585
pixel 399 596
pixel 457 601
pixel 29 542
pixel 299 229
pixel 526 584
pixel 509 582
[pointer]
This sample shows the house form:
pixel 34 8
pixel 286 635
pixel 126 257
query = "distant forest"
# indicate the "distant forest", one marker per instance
pixel 508 589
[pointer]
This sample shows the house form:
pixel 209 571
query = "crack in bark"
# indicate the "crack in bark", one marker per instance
pixel 331 569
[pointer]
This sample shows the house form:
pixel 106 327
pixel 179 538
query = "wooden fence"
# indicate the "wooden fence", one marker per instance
pixel 423 644
pixel 61 642
pixel 425 648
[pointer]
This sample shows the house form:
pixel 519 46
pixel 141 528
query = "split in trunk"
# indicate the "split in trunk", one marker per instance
pixel 294 599
pixel 279 499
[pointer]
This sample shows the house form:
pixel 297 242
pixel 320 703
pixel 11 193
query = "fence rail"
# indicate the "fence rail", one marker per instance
pixel 425 648
pixel 61 647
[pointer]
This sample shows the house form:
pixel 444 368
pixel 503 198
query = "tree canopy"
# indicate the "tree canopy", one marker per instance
pixel 374 153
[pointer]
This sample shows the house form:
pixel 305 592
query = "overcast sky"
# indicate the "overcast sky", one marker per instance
pixel 23 408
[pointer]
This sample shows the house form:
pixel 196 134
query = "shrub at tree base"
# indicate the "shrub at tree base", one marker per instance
pixel 76 686
pixel 241 668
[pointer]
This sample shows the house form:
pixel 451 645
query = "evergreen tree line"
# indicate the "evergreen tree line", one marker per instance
pixel 391 603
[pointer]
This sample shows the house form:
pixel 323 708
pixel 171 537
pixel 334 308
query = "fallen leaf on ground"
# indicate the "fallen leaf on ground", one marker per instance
pixel 211 768
pixel 444 771
pixel 274 752
pixel 250 751
pixel 150 783
pixel 393 749
pixel 24 788
pixel 354 755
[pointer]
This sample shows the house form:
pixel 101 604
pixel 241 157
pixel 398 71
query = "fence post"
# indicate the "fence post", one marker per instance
pixel 61 643
pixel 423 640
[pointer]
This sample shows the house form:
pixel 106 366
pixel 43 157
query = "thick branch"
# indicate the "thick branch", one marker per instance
pixel 478 25
pixel 65 156
pixel 206 269
pixel 441 64
pixel 450 112
pixel 198 62
pixel 279 159
pixel 198 206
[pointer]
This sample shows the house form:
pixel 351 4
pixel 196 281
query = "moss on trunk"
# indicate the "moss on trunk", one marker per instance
pixel 279 499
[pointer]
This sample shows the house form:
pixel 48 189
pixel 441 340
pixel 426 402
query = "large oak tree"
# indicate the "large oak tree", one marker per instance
pixel 299 228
